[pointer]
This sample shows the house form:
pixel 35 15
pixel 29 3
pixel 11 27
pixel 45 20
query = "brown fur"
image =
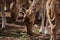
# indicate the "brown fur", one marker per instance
pixel 30 16
pixel 54 5
pixel 15 10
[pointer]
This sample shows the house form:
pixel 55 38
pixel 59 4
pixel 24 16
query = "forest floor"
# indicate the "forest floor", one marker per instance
pixel 14 31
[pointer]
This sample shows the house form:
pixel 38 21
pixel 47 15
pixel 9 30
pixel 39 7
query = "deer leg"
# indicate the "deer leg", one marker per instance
pixel 29 29
pixel 42 25
pixel 51 25
pixel 3 19
pixel 46 28
pixel 30 24
pixel 53 34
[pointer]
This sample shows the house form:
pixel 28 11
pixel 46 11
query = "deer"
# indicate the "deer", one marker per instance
pixel 53 5
pixel 6 5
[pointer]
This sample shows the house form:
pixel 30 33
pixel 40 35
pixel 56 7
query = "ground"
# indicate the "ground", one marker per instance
pixel 18 32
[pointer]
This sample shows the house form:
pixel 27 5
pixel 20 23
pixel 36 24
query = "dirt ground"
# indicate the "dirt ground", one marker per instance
pixel 18 32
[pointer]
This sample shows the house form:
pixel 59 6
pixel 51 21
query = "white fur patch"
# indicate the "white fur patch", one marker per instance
pixel 11 5
pixel 5 8
pixel 35 25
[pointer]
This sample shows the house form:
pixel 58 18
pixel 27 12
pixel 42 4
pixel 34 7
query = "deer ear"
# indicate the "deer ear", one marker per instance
pixel 5 8
pixel 11 5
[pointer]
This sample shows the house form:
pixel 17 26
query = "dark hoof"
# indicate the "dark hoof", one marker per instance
pixel 33 34
pixel 3 27
pixel 40 32
pixel 47 35
pixel 13 21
